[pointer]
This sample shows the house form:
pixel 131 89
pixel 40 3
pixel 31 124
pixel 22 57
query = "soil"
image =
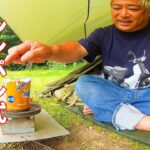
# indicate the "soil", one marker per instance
pixel 81 138
pixel 89 138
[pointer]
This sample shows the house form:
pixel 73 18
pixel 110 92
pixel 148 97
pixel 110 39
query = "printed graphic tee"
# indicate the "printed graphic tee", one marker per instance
pixel 126 56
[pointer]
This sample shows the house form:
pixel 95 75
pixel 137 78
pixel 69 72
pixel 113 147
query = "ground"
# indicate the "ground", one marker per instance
pixel 83 137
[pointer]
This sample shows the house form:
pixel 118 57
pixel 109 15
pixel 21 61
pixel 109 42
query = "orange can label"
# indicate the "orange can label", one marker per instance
pixel 17 96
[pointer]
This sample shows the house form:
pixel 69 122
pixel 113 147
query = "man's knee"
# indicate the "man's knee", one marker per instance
pixel 83 79
pixel 80 83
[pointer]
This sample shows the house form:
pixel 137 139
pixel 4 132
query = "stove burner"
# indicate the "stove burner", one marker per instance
pixel 33 110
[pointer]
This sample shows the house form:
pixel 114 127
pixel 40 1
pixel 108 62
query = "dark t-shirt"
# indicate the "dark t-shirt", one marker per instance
pixel 126 56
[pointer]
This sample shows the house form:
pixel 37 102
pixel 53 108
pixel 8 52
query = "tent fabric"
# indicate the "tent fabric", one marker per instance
pixel 68 99
pixel 54 21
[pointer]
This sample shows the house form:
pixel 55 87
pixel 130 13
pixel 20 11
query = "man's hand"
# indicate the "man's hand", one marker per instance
pixel 29 51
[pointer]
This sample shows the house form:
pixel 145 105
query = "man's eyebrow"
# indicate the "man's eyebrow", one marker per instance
pixel 130 5
pixel 133 5
pixel 115 4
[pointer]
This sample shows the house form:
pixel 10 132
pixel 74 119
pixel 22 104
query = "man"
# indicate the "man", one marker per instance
pixel 123 97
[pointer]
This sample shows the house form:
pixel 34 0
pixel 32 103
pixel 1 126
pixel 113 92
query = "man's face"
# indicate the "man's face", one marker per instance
pixel 128 15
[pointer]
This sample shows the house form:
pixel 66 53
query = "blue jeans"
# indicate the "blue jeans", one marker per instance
pixel 113 104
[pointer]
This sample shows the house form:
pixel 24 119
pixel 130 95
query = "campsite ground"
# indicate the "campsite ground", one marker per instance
pixel 84 135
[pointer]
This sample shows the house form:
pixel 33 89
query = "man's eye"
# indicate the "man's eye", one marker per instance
pixel 116 8
pixel 134 8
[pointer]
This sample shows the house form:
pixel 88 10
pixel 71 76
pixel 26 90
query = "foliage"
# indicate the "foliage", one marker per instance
pixel 9 37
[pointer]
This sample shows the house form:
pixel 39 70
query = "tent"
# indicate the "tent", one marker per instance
pixel 50 21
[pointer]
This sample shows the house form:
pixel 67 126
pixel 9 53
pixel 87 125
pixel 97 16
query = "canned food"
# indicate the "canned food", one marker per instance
pixel 17 96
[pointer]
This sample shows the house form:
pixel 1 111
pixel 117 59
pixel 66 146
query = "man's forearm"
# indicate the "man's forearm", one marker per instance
pixel 68 52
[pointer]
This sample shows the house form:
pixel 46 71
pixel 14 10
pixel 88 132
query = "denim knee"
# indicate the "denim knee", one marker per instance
pixel 84 78
pixel 79 86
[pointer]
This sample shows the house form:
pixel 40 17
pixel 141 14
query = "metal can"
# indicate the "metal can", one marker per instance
pixel 17 95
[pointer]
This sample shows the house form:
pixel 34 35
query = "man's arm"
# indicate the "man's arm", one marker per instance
pixel 31 51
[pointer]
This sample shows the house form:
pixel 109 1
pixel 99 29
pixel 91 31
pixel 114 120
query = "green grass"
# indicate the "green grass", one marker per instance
pixel 40 78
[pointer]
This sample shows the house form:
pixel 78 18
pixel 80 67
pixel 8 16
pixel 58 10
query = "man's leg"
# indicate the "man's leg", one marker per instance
pixel 144 124
pixel 100 95
pixel 109 103
pixel 142 103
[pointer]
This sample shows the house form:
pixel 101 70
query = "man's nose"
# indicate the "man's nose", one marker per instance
pixel 124 12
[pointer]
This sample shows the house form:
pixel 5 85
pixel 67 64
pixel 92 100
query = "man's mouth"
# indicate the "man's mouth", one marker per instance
pixel 124 22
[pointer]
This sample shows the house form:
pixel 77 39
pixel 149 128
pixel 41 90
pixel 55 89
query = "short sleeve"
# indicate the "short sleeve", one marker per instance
pixel 93 44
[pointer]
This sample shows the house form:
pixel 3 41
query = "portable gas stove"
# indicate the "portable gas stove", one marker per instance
pixel 21 121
